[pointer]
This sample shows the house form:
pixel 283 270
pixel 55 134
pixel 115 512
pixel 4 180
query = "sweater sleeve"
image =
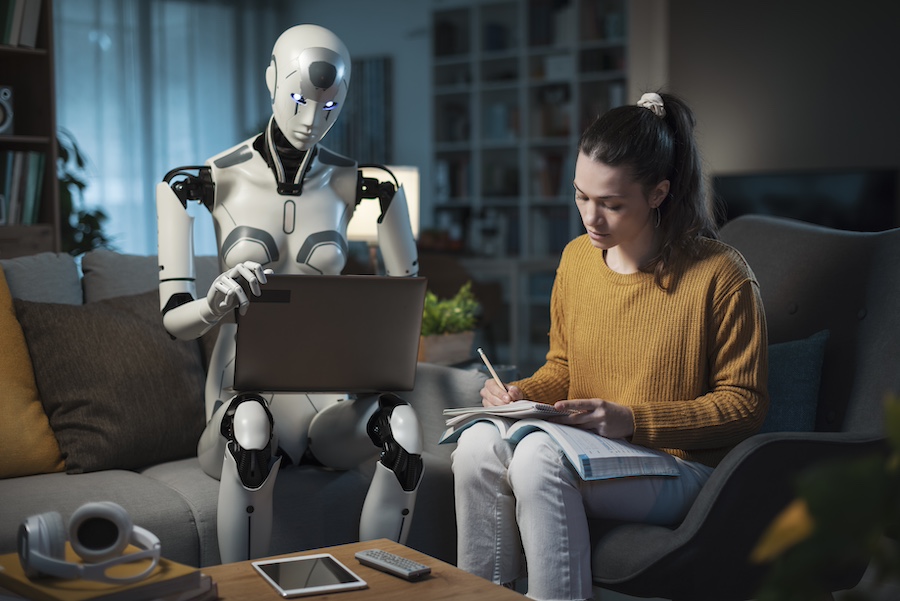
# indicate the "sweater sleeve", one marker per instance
pixel 550 383
pixel 737 401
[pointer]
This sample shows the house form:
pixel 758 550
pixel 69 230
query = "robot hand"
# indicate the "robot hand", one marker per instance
pixel 226 293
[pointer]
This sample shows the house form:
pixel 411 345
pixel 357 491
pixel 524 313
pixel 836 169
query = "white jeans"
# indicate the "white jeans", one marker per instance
pixel 527 498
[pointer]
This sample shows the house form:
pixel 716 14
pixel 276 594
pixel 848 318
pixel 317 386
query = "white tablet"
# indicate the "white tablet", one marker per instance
pixel 308 575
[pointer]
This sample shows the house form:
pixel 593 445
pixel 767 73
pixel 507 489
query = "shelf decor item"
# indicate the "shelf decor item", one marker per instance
pixel 515 82
pixel 448 327
pixel 29 217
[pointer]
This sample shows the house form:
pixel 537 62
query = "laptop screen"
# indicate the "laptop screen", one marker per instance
pixel 323 333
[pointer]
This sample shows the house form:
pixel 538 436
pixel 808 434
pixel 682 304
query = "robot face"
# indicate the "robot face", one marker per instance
pixel 308 80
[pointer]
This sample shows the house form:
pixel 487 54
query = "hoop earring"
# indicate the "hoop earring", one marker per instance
pixel 658 217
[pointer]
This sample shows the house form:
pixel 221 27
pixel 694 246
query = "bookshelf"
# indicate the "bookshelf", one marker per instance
pixel 514 84
pixel 28 72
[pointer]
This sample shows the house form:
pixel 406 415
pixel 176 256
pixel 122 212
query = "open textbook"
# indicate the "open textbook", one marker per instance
pixel 594 457
pixel 516 409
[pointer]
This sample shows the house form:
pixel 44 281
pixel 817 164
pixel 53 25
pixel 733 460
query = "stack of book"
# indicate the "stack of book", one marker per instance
pixel 21 183
pixel 594 457
pixel 19 22
pixel 169 581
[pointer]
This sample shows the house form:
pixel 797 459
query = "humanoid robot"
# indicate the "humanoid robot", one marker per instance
pixel 281 203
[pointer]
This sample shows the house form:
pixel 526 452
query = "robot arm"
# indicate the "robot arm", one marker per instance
pixel 184 316
pixel 395 237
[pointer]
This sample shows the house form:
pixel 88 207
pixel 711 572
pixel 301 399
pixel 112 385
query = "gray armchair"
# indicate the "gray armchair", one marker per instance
pixel 811 279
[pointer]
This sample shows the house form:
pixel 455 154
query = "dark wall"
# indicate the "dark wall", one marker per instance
pixel 790 84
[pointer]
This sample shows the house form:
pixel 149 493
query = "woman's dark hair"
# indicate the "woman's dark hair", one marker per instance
pixel 655 149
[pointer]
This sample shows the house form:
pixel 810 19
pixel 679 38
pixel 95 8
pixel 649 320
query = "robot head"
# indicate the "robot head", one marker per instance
pixel 308 80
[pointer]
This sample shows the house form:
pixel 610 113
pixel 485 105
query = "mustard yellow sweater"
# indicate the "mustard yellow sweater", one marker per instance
pixel 691 362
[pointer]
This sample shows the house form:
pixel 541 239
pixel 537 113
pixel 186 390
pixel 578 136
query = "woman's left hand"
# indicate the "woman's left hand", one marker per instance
pixel 603 417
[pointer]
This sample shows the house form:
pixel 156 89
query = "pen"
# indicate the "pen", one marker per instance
pixel 491 368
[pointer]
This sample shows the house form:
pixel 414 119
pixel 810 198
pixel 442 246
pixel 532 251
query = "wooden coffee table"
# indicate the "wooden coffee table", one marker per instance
pixel 240 582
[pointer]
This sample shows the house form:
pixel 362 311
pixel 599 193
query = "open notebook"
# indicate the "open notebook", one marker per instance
pixel 322 333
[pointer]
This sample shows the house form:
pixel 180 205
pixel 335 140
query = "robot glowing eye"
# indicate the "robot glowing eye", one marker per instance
pixel 298 98
pixel 330 105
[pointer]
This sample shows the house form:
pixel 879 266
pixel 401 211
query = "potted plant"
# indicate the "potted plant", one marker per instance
pixel 846 512
pixel 81 229
pixel 448 327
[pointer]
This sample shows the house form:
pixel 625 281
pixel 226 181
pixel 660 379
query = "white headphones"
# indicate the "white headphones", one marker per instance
pixel 98 532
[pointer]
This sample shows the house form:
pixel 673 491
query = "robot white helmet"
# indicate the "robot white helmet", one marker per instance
pixel 308 79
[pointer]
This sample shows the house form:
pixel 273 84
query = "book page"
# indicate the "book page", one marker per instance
pixel 597 457
pixel 517 409
pixel 464 421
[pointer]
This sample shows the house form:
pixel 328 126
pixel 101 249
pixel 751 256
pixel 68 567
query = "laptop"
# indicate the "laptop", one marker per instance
pixel 330 333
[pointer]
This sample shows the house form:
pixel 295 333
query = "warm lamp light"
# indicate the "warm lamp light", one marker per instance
pixel 363 227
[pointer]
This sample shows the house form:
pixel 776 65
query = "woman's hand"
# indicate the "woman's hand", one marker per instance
pixel 603 417
pixel 492 394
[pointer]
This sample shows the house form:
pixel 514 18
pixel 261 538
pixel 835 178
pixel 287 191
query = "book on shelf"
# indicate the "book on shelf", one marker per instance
pixel 34 179
pixel 31 18
pixel 594 457
pixel 169 580
pixel 15 182
pixel 21 185
pixel 7 8
pixel 19 22
pixel 13 26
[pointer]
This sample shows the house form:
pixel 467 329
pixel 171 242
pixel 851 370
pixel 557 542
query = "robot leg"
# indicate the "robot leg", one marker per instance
pixel 388 509
pixel 247 480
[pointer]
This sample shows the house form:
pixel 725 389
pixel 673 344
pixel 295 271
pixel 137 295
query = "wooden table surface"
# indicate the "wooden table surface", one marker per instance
pixel 241 582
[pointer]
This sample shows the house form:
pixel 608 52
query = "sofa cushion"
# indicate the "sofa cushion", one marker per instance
pixel 108 274
pixel 150 503
pixel 44 277
pixel 795 372
pixel 118 390
pixel 28 442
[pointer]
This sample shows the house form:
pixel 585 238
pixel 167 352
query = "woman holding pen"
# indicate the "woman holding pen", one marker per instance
pixel 657 336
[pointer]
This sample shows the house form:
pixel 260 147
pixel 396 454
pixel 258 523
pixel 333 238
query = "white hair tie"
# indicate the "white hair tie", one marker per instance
pixel 653 102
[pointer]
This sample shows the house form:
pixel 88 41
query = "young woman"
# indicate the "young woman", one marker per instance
pixel 657 336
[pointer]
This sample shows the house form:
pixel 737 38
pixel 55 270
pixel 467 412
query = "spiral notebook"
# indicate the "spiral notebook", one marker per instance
pixel 323 333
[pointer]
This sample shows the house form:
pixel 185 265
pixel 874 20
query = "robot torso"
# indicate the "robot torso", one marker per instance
pixel 304 233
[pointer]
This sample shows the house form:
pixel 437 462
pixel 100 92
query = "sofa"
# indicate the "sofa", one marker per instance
pixel 100 403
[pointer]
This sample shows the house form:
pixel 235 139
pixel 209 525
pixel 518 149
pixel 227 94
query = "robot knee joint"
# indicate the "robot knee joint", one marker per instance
pixel 248 426
pixel 390 433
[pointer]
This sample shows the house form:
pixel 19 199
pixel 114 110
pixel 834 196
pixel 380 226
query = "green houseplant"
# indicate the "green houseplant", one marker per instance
pixel 448 327
pixel 844 511
pixel 81 229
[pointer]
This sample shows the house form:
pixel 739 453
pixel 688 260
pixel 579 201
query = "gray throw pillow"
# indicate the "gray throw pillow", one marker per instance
pixel 795 372
pixel 118 390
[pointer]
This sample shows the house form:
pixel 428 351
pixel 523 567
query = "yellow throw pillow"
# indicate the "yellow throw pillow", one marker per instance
pixel 29 446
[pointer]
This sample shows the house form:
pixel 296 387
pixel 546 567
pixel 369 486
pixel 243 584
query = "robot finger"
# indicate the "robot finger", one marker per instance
pixel 230 290
pixel 253 274
pixel 225 286
pixel 242 299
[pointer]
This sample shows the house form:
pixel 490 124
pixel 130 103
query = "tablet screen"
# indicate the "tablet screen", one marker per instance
pixel 308 575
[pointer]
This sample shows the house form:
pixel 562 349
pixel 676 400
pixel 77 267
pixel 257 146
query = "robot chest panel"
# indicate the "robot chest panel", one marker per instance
pixel 289 234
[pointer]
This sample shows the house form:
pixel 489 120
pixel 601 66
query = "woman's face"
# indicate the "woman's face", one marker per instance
pixel 613 207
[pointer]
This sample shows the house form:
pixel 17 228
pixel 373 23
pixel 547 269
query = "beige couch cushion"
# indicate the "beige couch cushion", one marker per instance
pixel 28 442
